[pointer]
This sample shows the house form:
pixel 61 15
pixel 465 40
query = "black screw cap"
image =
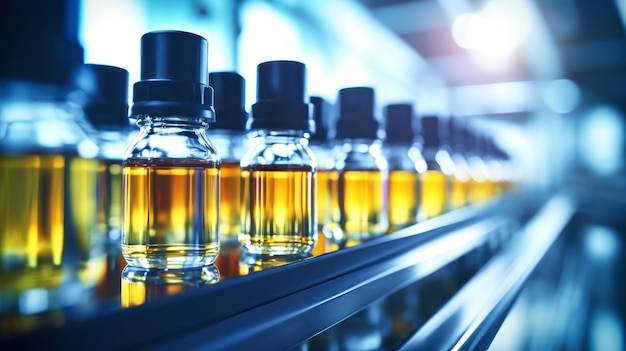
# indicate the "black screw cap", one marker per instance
pixel 229 100
pixel 174 76
pixel 399 123
pixel 39 41
pixel 356 114
pixel 321 111
pixel 281 100
pixel 107 92
pixel 431 131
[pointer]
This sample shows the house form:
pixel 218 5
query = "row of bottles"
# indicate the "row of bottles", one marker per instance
pixel 77 178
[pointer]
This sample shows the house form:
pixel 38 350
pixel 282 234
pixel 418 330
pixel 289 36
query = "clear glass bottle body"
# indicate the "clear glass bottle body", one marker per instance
pixel 279 194
pixel 480 187
pixel 46 159
pixel 323 153
pixel 231 146
pixel 436 181
pixel 113 142
pixel 171 195
pixel 358 192
pixel 461 182
pixel 406 166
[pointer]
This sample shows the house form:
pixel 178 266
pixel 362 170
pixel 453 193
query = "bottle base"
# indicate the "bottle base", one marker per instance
pixel 275 248
pixel 169 257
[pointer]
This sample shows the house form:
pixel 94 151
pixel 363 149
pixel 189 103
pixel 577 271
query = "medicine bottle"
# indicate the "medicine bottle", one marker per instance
pixel 322 149
pixel 406 165
pixel 171 169
pixel 42 134
pixel 439 167
pixel 359 186
pixel 278 171
pixel 229 135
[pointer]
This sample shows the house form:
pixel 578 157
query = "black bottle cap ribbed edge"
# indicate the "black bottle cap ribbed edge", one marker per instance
pixel 174 77
pixel 281 101
pixel 356 114
pixel 399 123
pixel 107 91
pixel 321 112
pixel 229 100
pixel 39 41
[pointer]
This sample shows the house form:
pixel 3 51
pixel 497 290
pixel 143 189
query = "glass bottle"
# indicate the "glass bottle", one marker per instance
pixel 406 165
pixel 480 188
pixel 230 137
pixel 107 111
pixel 359 183
pixel 461 180
pixel 42 132
pixel 171 170
pixel 439 168
pixel 322 149
pixel 278 171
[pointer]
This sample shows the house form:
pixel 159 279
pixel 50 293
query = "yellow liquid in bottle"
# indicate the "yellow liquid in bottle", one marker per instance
pixel 31 221
pixel 109 199
pixel 230 201
pixel 458 193
pixel 434 192
pixel 171 213
pixel 278 209
pixel 84 179
pixel 323 211
pixel 481 191
pixel 404 198
pixel 360 212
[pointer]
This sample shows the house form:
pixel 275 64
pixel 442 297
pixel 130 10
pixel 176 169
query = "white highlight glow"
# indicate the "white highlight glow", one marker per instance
pixel 602 140
pixel 561 95
pixel 494 31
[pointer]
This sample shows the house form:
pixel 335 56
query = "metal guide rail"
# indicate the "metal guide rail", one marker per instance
pixel 288 306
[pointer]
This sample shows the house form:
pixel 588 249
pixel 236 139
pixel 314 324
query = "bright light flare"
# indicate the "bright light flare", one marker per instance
pixel 495 31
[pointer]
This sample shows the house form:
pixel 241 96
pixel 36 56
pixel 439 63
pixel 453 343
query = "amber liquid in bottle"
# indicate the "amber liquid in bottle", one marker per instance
pixel 361 205
pixel 230 201
pixel 278 209
pixel 434 193
pixel 458 193
pixel 323 210
pixel 404 198
pixel 31 221
pixel 83 181
pixel 109 199
pixel 171 213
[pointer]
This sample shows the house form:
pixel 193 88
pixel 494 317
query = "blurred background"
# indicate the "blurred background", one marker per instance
pixel 543 78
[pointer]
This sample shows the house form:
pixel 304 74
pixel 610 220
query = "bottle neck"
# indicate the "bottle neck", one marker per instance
pixel 283 136
pixel 173 124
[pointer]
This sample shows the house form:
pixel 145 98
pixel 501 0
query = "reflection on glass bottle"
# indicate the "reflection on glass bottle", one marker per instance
pixel 251 262
pixel 140 285
pixel 228 260
pixel 44 148
pixel 359 181
pixel 439 168
pixel 279 185
pixel 171 170
pixel 406 165
pixel 230 138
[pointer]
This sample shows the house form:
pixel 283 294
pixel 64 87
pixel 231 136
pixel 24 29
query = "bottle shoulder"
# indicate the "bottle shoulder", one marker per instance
pixel 279 152
pixel 181 144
